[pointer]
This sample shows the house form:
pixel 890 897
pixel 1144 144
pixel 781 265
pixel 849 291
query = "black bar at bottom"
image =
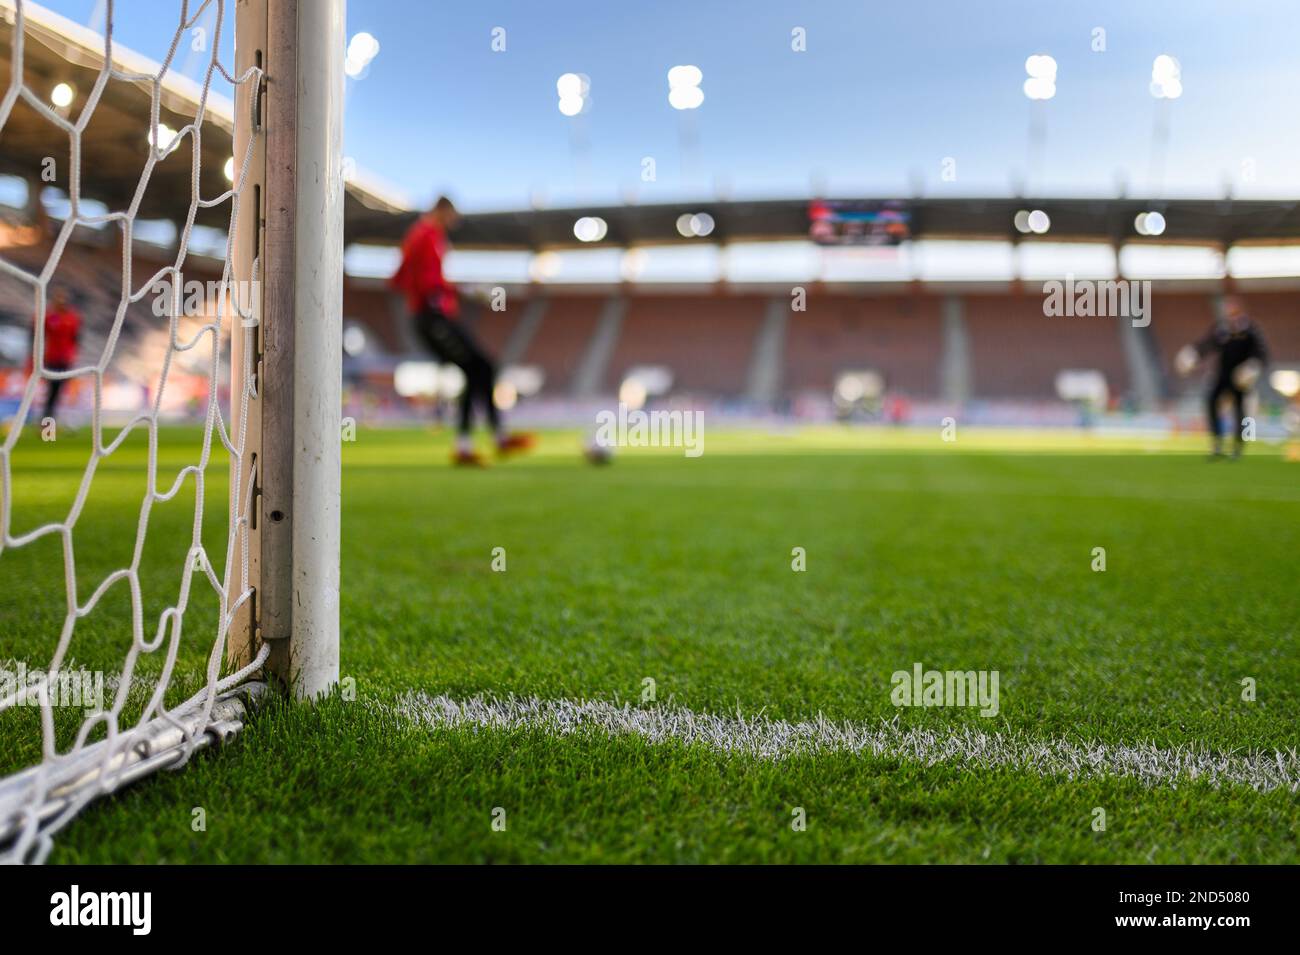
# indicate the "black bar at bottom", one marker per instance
pixel 189 904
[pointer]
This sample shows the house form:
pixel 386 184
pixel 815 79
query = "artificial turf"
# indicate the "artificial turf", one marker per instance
pixel 972 555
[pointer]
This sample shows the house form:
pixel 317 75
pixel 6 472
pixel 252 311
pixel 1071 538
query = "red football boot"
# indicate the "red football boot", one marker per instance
pixel 468 459
pixel 516 443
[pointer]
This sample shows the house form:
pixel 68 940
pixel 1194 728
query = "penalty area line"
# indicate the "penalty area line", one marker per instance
pixel 764 738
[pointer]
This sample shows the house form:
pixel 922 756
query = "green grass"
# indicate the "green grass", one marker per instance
pixel 974 555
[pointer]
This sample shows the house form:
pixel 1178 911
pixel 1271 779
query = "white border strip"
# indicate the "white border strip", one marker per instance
pixel 765 738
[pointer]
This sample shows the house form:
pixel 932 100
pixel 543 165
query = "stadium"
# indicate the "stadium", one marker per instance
pixel 942 573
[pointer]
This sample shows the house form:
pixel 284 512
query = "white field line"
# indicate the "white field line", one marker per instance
pixel 765 738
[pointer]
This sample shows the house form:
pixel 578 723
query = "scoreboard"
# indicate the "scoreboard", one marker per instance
pixel 857 222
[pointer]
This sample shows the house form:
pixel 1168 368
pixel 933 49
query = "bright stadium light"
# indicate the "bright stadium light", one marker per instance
pixel 1041 83
pixel 166 135
pixel 361 50
pixel 1034 221
pixel 696 225
pixel 62 95
pixel 685 76
pixel 684 87
pixel 1149 223
pixel 590 229
pixel 229 169
pixel 1166 77
pixel 686 97
pixel 574 90
pixel 569 85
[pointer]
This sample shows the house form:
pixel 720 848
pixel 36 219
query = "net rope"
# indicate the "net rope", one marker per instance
pixel 25 803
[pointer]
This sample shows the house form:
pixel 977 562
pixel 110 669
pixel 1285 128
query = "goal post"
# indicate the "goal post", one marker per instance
pixel 274 574
pixel 294 375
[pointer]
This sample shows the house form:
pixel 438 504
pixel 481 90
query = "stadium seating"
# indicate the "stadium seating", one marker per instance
pixel 1016 351
pixel 1278 316
pixel 371 304
pixel 707 340
pixel 559 345
pixel 1178 318
pixel 900 336
pixel 493 329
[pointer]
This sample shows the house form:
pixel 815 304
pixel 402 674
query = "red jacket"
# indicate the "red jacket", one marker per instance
pixel 420 274
pixel 61 330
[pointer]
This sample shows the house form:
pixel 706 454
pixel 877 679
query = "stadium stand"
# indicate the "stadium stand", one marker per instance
pixel 1016 351
pixel 706 340
pixel 708 337
pixel 1178 318
pixel 493 329
pixel 899 336
pixel 557 348
pixel 1278 315
pixel 370 303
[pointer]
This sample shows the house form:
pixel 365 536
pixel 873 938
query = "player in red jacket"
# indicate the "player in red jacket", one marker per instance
pixel 434 304
pixel 62 327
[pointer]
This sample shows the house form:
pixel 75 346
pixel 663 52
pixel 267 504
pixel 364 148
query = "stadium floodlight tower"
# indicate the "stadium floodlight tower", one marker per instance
pixel 686 96
pixel 1039 87
pixel 274 567
pixel 1166 86
pixel 574 93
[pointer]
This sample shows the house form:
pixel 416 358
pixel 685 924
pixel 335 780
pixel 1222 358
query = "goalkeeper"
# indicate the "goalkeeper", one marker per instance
pixel 1242 356
pixel 434 304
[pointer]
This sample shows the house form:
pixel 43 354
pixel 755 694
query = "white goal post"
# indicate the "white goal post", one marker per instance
pixel 276 572
pixel 295 398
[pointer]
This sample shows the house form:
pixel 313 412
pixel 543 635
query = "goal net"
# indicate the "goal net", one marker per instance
pixel 169 464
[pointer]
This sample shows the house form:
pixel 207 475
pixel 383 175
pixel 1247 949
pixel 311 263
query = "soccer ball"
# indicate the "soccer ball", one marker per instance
pixel 598 453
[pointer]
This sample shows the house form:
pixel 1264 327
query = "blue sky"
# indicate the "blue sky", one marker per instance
pixel 884 92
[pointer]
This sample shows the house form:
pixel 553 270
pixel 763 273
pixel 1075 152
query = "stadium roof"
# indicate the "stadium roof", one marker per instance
pixel 1201 221
pixel 114 145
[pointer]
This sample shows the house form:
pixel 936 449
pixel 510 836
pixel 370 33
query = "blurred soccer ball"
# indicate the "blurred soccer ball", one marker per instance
pixel 1246 375
pixel 599 453
pixel 1185 361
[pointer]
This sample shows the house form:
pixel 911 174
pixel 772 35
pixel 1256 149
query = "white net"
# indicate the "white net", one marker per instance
pixel 142 723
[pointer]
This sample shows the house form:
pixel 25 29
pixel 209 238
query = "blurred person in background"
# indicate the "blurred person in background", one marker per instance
pixel 434 304
pixel 62 329
pixel 1242 355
